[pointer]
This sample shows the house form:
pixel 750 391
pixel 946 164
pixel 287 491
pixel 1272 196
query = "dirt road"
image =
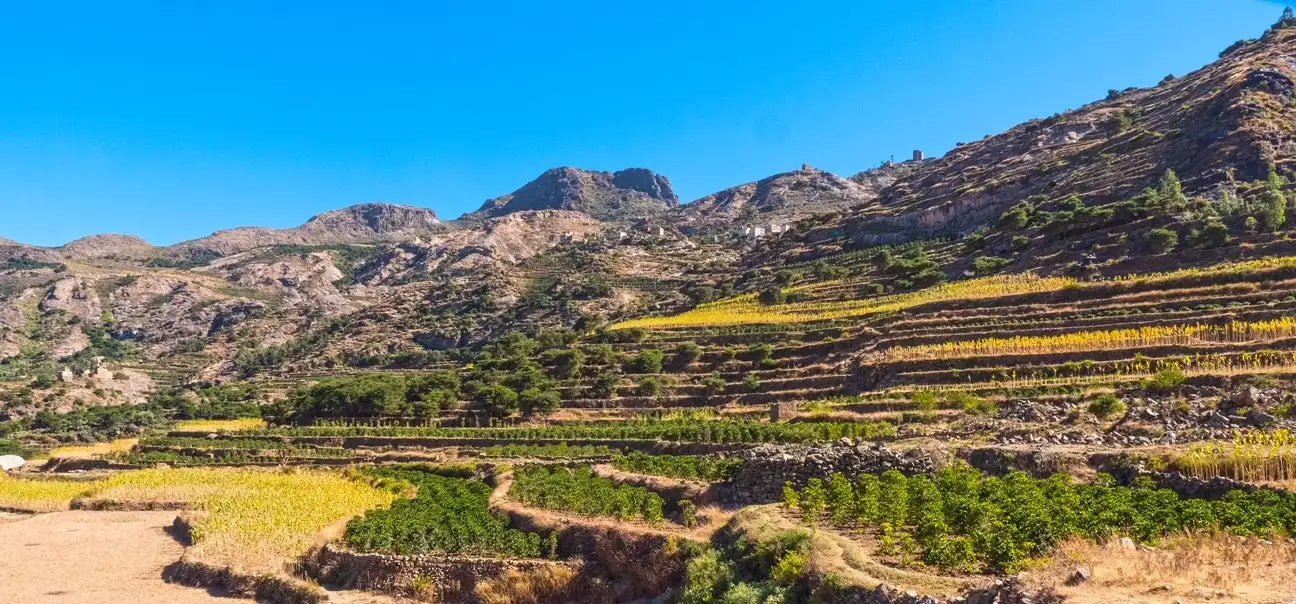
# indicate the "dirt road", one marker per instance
pixel 101 557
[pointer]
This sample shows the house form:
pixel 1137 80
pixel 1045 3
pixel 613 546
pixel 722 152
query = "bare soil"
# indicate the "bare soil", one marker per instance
pixel 103 557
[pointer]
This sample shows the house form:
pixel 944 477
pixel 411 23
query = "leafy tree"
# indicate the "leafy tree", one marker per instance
pixel 497 400
pixel 686 353
pixel 1273 203
pixel 1162 240
pixel 536 400
pixel 1214 234
pixel 1170 195
pixel 771 296
pixel 647 361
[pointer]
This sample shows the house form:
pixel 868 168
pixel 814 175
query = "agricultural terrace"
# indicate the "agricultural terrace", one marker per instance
pixel 253 519
pixel 962 520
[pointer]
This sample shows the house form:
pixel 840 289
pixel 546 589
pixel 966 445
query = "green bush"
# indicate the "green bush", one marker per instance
pixel 1162 241
pixel 985 265
pixel 773 295
pixel 1165 380
pixel 1106 405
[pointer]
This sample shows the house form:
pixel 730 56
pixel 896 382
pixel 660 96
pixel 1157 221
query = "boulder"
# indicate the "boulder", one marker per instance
pixel 11 462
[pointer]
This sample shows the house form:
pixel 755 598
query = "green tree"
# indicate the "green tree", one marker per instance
pixel 1170 195
pixel 496 400
pixel 1273 203
pixel 1162 240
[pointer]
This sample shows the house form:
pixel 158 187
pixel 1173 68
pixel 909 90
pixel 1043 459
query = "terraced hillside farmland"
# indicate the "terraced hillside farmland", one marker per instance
pixel 1057 364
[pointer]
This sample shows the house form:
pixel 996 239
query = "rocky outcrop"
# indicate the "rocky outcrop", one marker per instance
pixel 364 223
pixel 615 196
pixel 107 246
pixel 782 198
pixel 767 468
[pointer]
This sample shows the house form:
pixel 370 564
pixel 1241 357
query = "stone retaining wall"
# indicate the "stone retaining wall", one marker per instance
pixel 395 574
pixel 768 467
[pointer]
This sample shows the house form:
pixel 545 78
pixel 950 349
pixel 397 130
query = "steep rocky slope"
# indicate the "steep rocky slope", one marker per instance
pixel 1224 123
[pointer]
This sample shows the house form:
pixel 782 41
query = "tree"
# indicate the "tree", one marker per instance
pixel 1162 241
pixel 1170 195
pixel 686 353
pixel 1214 234
pixel 773 295
pixel 647 361
pixel 536 400
pixel 1273 203
pixel 497 400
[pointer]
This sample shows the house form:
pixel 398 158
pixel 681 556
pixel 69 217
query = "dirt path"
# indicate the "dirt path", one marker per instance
pixel 101 557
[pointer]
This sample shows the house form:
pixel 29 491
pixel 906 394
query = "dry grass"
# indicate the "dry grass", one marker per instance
pixel 547 584
pixel 120 445
pixel 1218 567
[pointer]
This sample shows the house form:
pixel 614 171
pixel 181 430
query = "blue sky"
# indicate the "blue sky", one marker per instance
pixel 171 119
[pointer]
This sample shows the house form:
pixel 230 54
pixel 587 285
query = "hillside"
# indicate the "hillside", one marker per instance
pixel 1054 365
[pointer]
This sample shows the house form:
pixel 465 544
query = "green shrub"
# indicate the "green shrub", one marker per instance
pixel 771 296
pixel 1162 241
pixel 1165 380
pixel 1106 405
pixel 985 265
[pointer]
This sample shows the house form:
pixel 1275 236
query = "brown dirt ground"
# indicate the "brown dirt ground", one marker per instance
pixel 104 557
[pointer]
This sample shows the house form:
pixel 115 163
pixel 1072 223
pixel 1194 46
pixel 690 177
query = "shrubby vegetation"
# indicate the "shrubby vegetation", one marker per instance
pixel 448 516
pixel 712 469
pixel 581 492
pixel 963 520
pixel 743 571
pixel 370 396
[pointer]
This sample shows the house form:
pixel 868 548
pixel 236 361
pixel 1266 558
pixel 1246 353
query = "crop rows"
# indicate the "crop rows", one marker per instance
pixel 711 469
pixel 1252 456
pixel 580 491
pixel 713 431
pixel 962 520
pixel 449 516
pixel 1236 332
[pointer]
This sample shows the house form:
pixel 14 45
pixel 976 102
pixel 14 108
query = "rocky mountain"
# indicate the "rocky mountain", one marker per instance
pixel 364 223
pixel 1217 126
pixel 784 198
pixel 625 195
pixel 578 246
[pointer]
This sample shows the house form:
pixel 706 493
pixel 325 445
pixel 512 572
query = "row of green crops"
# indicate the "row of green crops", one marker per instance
pixel 206 443
pixel 448 516
pixel 579 491
pixel 715 431
pixel 961 519
pixel 558 451
pixel 711 469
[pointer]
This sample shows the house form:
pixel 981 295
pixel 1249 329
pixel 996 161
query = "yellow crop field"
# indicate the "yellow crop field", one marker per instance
pixel 120 445
pixel 747 309
pixel 1172 335
pixel 1252 456
pixel 220 425
pixel 253 519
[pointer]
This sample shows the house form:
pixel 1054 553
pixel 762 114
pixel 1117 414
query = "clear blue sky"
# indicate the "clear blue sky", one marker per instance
pixel 172 119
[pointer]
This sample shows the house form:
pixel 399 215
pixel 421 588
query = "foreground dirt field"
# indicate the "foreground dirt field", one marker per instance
pixel 105 557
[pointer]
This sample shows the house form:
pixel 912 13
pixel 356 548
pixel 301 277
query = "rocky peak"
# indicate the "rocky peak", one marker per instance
pixel 624 195
pixel 785 197
pixel 376 218
pixel 104 245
